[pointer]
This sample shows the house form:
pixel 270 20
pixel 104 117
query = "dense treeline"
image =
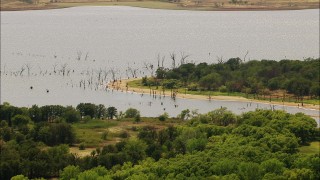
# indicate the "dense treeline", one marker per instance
pixel 219 144
pixel 300 78
pixel 26 132
pixel 256 145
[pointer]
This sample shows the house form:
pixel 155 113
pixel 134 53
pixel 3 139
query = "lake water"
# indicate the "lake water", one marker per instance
pixel 93 45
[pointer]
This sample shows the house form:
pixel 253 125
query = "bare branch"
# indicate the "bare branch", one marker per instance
pixel 220 59
pixel 244 59
pixel 183 57
pixel 79 54
pixel 173 58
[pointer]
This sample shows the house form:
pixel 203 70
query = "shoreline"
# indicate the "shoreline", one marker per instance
pixel 151 5
pixel 122 87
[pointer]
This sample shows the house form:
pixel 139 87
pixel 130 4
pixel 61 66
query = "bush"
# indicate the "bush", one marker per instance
pixel 86 119
pixel 193 87
pixel 145 81
pixel 131 113
pixel 82 146
pixel 20 120
pixel 70 172
pixel 163 117
pixel 104 135
pixel 71 116
pixel 137 118
pixel 223 89
pixel 124 134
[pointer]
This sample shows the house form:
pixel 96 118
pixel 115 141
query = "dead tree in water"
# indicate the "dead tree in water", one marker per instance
pixel 28 68
pixel 183 58
pixel 79 54
pixel 63 68
pixel 22 69
pixel 173 58
pixel 86 56
pixel 113 74
pixel 244 58
pixel 149 67
pixel 54 68
pixel 220 59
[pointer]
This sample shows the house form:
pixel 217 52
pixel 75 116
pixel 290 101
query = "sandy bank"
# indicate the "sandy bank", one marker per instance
pixel 122 86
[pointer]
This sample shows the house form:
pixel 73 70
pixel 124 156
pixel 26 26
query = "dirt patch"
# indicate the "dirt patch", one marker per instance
pixel 81 153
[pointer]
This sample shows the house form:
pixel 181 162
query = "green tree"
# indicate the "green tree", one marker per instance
pixel 272 166
pixel 19 177
pixel 249 171
pixel 101 111
pixel 35 113
pixel 304 127
pixel 210 81
pixel 137 118
pixel 163 117
pixel 148 134
pixel 87 109
pixel 20 120
pixel 160 73
pixel 299 86
pixel 70 172
pixel 298 174
pixel 111 112
pixel 131 113
pixel 222 117
pixel 234 63
pixel 71 115
pixel 315 90
pixel 184 115
pixel 135 149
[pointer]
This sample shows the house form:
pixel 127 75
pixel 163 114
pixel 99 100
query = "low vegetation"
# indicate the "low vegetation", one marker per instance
pixel 263 144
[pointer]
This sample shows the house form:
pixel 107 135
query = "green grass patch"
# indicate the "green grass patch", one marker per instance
pixel 95 124
pixel 313 148
pixel 313 101
pixel 89 137
pixel 90 133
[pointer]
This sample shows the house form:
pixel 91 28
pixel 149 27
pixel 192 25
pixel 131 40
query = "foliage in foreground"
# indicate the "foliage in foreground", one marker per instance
pixel 262 144
pixel 259 145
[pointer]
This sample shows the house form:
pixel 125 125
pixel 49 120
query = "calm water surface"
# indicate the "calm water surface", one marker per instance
pixel 93 45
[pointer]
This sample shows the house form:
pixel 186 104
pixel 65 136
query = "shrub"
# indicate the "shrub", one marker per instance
pixel 137 118
pixel 124 134
pixel 163 117
pixel 82 146
pixel 223 89
pixel 131 113
pixel 104 135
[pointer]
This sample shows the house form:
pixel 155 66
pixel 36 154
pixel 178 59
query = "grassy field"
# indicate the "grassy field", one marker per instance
pixel 91 133
pixel 313 148
pixel 224 5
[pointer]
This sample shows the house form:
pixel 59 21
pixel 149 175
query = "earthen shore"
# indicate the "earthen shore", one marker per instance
pixel 122 86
